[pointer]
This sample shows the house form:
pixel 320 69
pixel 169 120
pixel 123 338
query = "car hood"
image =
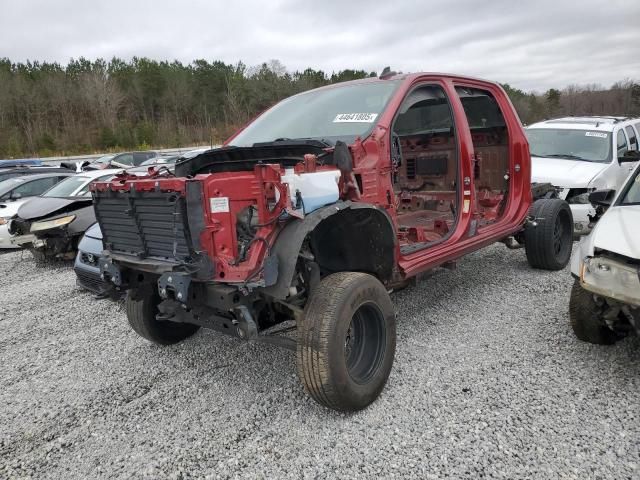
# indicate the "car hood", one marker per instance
pixel 618 231
pixel 564 173
pixel 44 206
pixel 9 209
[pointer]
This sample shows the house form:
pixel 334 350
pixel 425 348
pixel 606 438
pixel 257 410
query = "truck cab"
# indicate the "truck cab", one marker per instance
pixel 306 218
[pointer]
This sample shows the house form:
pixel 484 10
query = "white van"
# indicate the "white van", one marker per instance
pixel 581 154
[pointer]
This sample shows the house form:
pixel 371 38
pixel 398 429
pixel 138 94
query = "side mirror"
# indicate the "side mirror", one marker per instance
pixel 602 198
pixel 630 156
pixel 16 196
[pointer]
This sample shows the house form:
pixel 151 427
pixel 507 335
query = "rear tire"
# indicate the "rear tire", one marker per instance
pixel 346 341
pixel 141 314
pixel 585 318
pixel 548 245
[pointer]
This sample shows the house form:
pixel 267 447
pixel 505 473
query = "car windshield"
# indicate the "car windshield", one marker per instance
pixel 159 161
pixel 632 195
pixel 66 187
pixel 330 114
pixel 105 159
pixel 567 144
pixel 85 190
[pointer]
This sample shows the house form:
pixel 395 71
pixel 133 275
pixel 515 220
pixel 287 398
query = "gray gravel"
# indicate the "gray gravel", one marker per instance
pixel 488 382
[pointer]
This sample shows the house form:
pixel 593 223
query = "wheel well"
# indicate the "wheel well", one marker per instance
pixel 357 240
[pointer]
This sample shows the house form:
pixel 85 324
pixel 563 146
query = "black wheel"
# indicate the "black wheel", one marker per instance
pixel 141 314
pixel 585 317
pixel 346 341
pixel 548 245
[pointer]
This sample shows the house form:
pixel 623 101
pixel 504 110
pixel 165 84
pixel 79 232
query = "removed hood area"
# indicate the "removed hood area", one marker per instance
pixel 233 159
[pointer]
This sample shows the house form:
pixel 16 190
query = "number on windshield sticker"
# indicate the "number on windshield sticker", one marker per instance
pixel 595 134
pixel 355 117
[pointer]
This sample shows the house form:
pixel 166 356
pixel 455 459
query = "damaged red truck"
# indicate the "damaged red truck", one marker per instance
pixel 296 230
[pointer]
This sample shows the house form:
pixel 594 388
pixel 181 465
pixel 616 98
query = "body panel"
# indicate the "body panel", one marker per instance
pixel 86 262
pixel 567 173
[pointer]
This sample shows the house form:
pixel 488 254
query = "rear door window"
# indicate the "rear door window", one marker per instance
pixel 621 143
pixel 140 157
pixel 633 139
pixel 34 187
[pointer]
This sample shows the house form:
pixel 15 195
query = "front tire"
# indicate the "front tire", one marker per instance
pixel 548 244
pixel 141 314
pixel 585 318
pixel 346 341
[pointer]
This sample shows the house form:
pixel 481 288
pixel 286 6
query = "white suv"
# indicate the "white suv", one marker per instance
pixel 582 154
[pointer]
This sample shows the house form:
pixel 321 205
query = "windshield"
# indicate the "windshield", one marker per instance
pixel 331 114
pixel 632 195
pixel 105 159
pixel 66 187
pixel 159 161
pixel 85 190
pixel 570 144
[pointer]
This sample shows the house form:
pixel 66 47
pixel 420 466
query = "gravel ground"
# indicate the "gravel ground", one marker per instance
pixel 488 382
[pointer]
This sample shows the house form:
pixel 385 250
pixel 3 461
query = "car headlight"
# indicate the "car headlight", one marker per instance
pixel 47 224
pixel 612 278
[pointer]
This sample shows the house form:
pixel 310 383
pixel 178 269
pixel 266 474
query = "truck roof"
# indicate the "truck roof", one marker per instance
pixel 393 76
pixel 598 123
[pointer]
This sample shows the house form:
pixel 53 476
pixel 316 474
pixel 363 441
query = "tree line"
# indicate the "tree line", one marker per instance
pixel 92 106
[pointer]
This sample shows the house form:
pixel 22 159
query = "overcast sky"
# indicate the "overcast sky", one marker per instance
pixel 529 44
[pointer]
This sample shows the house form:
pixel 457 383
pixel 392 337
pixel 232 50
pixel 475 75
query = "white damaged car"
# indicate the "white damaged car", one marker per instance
pixel 579 155
pixel 605 299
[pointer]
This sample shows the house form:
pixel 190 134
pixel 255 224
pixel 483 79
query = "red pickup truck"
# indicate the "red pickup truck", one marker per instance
pixel 296 230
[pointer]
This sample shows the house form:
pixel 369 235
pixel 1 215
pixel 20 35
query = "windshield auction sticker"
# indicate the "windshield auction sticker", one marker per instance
pixel 595 134
pixel 355 118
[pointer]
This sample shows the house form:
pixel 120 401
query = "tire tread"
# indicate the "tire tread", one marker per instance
pixel 538 240
pixel 584 318
pixel 315 333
